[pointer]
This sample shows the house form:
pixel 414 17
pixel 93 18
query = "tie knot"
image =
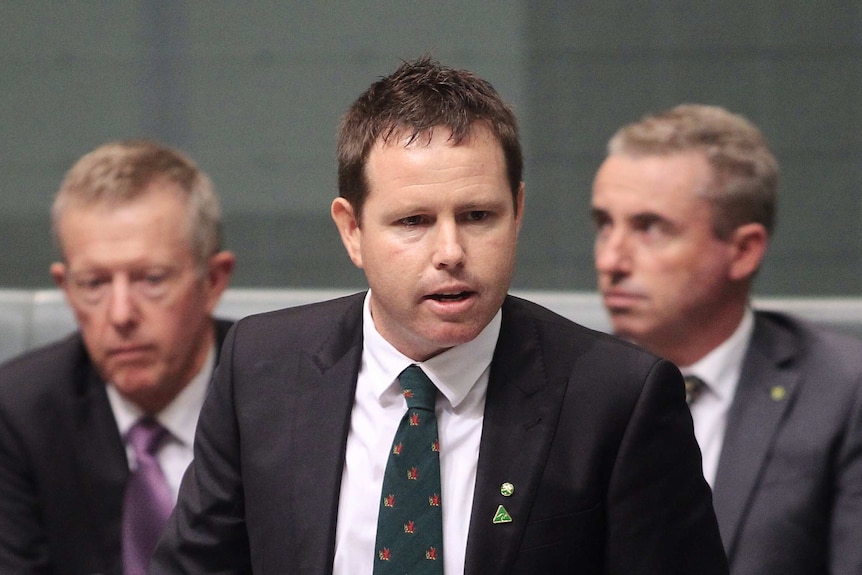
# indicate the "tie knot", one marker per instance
pixel 694 386
pixel 145 436
pixel 418 390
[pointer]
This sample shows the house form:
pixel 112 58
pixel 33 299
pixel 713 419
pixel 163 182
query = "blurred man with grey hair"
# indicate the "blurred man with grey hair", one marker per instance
pixel 684 207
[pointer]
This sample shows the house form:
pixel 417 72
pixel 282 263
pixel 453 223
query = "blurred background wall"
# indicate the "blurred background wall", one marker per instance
pixel 253 92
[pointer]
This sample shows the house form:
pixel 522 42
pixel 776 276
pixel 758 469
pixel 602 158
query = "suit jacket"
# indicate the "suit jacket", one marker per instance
pixel 594 434
pixel 63 464
pixel 788 491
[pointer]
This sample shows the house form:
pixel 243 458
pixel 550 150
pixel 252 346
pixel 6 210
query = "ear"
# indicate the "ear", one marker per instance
pixel 58 274
pixel 348 227
pixel 748 245
pixel 220 269
pixel 519 203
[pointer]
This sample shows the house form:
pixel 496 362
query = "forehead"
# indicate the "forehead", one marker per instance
pixel 478 150
pixel 652 182
pixel 433 156
pixel 153 225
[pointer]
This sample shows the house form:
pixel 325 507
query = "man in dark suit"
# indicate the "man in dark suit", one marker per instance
pixel 137 225
pixel 684 207
pixel 560 450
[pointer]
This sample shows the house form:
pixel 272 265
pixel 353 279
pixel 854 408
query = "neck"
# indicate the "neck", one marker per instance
pixel 690 344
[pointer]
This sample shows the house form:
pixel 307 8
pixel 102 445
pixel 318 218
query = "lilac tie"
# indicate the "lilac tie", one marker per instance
pixel 148 500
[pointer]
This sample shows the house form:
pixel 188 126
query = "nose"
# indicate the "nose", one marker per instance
pixel 612 252
pixel 448 248
pixel 122 309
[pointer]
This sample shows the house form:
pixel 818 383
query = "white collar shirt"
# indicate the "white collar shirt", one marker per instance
pixel 720 370
pixel 179 417
pixel 461 376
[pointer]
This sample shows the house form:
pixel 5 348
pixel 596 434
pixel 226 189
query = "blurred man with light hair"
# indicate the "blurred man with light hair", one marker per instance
pixel 96 429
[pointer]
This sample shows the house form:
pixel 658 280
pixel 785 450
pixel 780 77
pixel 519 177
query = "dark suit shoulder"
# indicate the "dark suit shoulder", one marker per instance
pixel 526 308
pixel 71 346
pixel 41 392
pixel 44 371
pixel 304 326
pixel 820 368
pixel 791 341
pixel 567 342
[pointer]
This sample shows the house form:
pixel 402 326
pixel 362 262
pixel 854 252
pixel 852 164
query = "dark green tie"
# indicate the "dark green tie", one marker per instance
pixel 410 523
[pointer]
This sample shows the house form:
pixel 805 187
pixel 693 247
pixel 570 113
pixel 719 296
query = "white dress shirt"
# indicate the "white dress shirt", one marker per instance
pixel 180 418
pixel 720 370
pixel 461 376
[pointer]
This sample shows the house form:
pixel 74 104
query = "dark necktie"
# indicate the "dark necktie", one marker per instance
pixel 694 386
pixel 410 522
pixel 148 500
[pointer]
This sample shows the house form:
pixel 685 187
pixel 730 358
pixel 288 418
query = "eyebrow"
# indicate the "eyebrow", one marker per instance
pixel 597 213
pixel 647 218
pixel 637 220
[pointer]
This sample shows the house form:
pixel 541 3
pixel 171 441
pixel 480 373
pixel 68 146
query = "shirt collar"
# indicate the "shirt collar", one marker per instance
pixel 721 367
pixel 180 417
pixel 454 372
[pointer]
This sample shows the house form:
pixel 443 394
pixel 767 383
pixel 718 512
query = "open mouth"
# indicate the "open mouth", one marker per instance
pixel 443 297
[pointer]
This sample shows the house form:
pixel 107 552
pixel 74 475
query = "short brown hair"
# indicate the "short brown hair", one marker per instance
pixel 414 100
pixel 119 172
pixel 745 183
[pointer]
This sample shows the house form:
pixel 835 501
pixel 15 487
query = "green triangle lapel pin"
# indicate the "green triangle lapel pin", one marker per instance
pixel 502 516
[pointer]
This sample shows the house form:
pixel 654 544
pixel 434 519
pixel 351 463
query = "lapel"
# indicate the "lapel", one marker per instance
pixel 753 423
pixel 222 326
pixel 100 462
pixel 320 409
pixel 521 413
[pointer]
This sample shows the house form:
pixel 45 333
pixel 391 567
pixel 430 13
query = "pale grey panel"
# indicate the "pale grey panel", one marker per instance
pixel 15 308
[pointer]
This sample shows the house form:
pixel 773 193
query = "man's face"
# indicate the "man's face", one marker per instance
pixel 437 239
pixel 142 305
pixel 662 272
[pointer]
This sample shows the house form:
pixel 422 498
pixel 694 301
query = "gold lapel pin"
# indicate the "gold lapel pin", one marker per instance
pixel 777 393
pixel 507 489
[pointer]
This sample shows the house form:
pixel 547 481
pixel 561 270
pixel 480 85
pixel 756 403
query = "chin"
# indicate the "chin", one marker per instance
pixel 624 329
pixel 131 383
pixel 450 336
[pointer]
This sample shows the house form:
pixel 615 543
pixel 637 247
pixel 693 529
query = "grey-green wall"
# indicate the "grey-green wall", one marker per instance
pixel 253 92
